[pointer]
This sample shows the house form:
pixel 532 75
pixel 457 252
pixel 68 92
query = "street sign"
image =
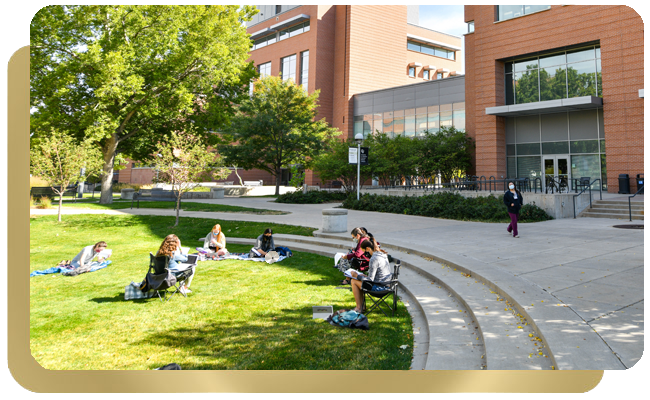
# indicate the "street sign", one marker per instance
pixel 352 155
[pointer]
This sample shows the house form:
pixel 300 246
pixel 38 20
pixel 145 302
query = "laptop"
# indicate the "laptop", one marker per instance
pixel 191 261
pixel 322 311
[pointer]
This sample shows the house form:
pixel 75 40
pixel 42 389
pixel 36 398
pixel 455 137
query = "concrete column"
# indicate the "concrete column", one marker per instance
pixel 335 220
pixel 127 194
pixel 217 192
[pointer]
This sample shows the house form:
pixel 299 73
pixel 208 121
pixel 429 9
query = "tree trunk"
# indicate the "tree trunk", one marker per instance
pixel 60 204
pixel 278 176
pixel 178 207
pixel 109 149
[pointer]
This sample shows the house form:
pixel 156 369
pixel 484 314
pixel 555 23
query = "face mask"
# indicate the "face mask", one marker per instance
pixel 215 233
pixel 511 186
pixel 367 254
pixel 355 240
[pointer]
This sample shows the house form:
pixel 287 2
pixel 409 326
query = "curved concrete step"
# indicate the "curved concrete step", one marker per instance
pixel 570 341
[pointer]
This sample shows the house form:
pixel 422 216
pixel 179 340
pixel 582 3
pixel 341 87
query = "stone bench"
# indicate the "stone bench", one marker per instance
pixel 335 220
pixel 253 183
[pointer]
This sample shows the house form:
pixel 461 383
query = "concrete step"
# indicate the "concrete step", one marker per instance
pixel 621 202
pixel 635 207
pixel 613 215
pixel 581 349
pixel 491 322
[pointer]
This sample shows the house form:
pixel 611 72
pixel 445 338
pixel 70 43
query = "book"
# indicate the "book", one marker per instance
pixel 105 253
pixel 337 257
pixel 349 275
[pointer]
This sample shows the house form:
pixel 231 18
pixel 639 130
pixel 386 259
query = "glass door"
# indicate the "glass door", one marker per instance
pixel 557 176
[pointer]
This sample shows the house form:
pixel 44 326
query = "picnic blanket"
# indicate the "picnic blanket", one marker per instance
pixel 69 270
pixel 238 256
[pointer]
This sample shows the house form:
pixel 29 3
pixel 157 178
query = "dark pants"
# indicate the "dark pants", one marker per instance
pixel 513 223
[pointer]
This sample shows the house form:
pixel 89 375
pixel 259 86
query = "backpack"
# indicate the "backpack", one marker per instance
pixel 284 251
pixel 349 319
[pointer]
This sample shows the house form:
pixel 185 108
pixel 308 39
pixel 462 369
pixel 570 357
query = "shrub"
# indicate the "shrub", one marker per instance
pixel 45 202
pixel 312 197
pixel 445 205
pixel 32 202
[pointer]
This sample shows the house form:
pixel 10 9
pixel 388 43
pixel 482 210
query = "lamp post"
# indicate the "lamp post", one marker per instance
pixel 359 139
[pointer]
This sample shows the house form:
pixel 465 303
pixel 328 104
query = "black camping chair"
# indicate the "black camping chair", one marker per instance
pixel 159 278
pixel 366 288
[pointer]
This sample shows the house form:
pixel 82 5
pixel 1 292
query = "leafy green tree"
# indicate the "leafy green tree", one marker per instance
pixel 447 152
pixel 127 76
pixel 182 161
pixel 60 160
pixel 394 160
pixel 333 164
pixel 275 127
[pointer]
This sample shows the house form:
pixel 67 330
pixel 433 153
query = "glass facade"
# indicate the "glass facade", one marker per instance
pixel 431 50
pixel 560 75
pixel 264 69
pixel 511 11
pixel 412 122
pixel 282 35
pixel 575 136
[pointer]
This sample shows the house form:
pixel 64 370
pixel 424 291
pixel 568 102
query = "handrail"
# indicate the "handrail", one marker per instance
pixel 583 190
pixel 629 201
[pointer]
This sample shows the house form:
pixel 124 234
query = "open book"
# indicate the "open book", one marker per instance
pixel 337 257
pixel 349 275
pixel 105 253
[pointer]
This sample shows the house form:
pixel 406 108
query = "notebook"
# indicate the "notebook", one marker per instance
pixel 322 312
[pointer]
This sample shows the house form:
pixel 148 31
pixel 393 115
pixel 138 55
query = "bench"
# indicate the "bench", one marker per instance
pixel 41 191
pixel 253 183
pixel 154 195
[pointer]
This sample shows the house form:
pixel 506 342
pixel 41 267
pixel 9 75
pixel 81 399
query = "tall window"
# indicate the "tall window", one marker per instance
pixel 264 69
pixel 304 69
pixel 560 75
pixel 289 68
pixel 278 9
pixel 510 11
pixel 439 75
pixel 425 74
pixel 294 30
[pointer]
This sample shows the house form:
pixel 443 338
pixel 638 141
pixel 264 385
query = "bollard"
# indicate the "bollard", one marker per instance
pixel 335 220
pixel 127 194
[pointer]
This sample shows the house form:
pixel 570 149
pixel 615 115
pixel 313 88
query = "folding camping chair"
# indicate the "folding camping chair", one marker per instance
pixel 366 288
pixel 160 278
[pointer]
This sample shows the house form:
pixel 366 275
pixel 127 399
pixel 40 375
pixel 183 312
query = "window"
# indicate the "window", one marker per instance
pixel 278 9
pixel 304 69
pixel 511 11
pixel 289 67
pixel 412 72
pixel 439 75
pixel 264 69
pixel 425 74
pixel 431 50
pixel 294 30
pixel 470 27
pixel 265 41
pixel 559 75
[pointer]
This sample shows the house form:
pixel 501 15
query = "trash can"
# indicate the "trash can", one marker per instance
pixel 623 184
pixel 639 182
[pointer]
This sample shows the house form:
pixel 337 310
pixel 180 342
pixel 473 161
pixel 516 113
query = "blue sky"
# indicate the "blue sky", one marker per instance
pixel 447 19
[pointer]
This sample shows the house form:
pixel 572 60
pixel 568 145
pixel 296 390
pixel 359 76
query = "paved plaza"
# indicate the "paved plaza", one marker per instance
pixel 579 280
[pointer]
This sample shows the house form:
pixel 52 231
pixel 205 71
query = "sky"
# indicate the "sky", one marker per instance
pixel 445 19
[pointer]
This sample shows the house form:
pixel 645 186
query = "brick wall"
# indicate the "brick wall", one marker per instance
pixel 620 32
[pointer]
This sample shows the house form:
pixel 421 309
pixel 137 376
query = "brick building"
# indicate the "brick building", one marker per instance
pixel 555 90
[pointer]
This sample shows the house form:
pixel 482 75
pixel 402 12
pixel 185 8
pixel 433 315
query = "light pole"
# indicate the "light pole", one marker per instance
pixel 359 139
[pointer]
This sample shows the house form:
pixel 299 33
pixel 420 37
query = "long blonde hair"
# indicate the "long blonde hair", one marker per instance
pixel 168 246
pixel 220 236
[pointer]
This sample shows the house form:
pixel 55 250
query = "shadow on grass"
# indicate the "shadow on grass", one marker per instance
pixel 291 339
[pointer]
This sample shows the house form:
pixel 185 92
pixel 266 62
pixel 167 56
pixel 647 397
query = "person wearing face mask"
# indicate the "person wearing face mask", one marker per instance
pixel 263 245
pixel 216 241
pixel 87 254
pixel 513 200
pixel 379 272
pixel 355 258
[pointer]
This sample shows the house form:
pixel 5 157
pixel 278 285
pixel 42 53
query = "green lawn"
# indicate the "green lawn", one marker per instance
pixel 241 314
pixel 185 206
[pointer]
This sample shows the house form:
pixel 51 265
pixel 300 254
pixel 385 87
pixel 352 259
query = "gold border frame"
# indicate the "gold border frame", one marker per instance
pixel 28 373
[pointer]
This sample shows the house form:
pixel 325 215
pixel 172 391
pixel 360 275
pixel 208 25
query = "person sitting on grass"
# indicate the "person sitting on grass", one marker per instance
pixel 263 245
pixel 379 271
pixel 87 254
pixel 171 247
pixel 216 241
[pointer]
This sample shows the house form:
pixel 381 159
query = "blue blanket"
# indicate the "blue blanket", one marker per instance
pixel 95 266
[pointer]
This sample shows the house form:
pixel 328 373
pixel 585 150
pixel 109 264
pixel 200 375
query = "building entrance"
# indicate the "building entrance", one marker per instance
pixel 557 175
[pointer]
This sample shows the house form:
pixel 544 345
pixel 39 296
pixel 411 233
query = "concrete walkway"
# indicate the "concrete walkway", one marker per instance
pixel 592 271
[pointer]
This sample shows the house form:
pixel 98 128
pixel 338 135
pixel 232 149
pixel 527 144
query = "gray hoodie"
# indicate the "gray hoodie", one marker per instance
pixel 379 270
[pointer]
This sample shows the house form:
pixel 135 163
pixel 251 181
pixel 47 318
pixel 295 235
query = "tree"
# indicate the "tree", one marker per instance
pixel 60 160
pixel 333 164
pixel 275 127
pixel 394 159
pixel 183 161
pixel 447 152
pixel 127 76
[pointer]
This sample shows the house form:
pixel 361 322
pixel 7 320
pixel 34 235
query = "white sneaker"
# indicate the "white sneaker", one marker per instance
pixel 516 236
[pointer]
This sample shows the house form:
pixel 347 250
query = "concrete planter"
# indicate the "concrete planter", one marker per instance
pixel 127 194
pixel 217 192
pixel 335 220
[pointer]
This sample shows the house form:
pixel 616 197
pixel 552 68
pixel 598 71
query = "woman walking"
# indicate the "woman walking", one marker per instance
pixel 513 200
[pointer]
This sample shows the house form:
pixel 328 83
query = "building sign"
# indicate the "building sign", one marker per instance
pixel 352 155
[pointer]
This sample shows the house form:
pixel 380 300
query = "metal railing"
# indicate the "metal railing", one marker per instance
pixel 584 190
pixel 467 183
pixel 629 201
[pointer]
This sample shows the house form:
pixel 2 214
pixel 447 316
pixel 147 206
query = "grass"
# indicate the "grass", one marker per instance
pixel 185 206
pixel 241 314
